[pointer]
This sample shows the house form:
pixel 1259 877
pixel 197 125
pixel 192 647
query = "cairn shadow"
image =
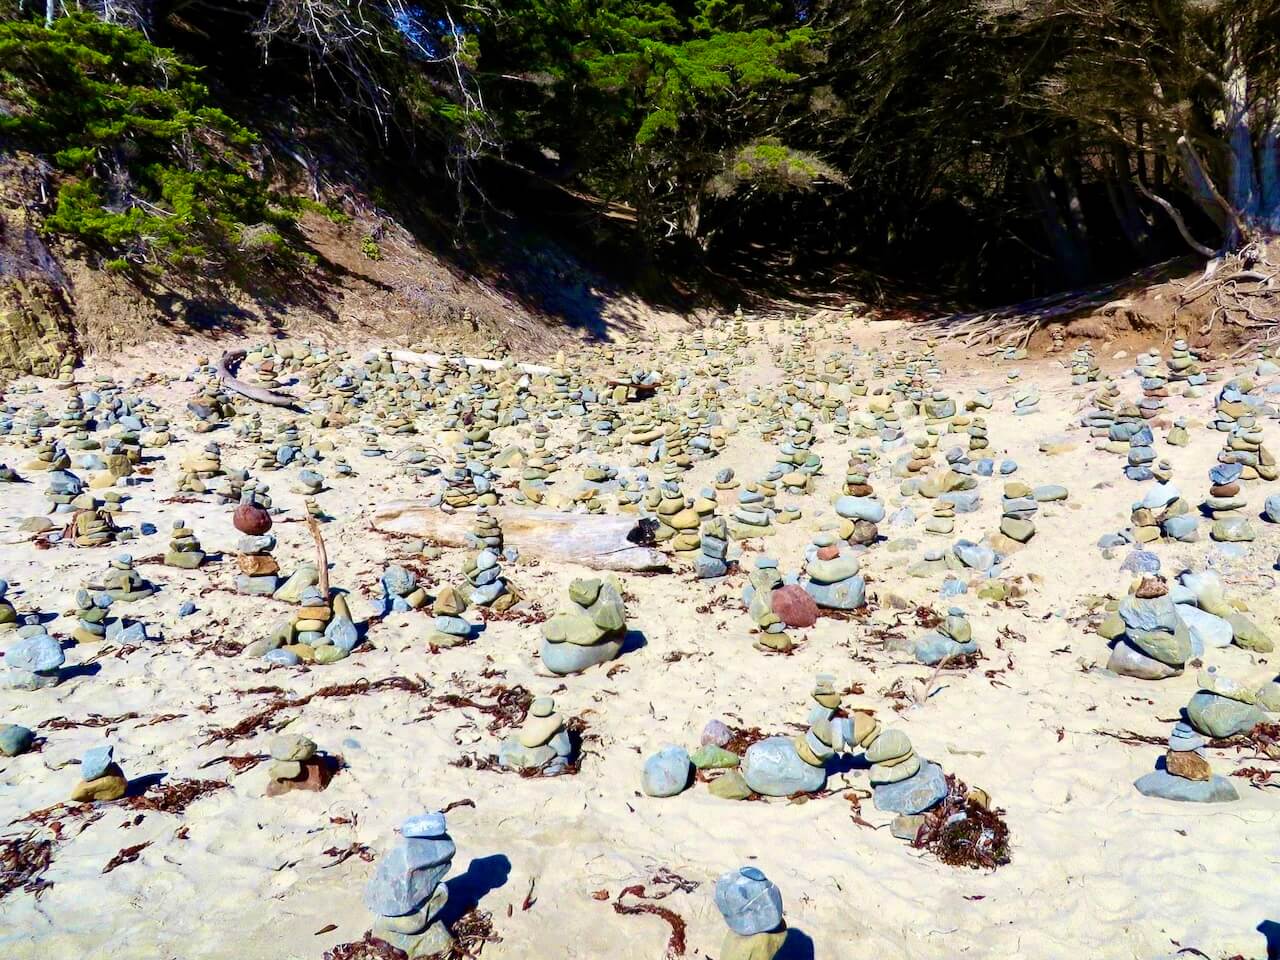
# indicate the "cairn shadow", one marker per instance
pixel 140 785
pixel 797 946
pixel 80 670
pixel 1270 930
pixel 634 640
pixel 483 875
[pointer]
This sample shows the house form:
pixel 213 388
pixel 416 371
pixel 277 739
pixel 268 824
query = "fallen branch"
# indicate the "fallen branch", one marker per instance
pixel 599 541
pixel 226 372
pixel 440 360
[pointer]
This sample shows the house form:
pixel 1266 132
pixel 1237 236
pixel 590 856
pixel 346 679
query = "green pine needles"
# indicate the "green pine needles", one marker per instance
pixel 152 175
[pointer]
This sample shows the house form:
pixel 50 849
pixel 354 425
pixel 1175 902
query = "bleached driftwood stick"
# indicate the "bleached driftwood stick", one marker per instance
pixel 592 540
pixel 440 360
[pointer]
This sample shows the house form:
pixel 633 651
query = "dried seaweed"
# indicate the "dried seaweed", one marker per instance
pixel 507 709
pixel 471 932
pixel 344 854
pixel 743 737
pixel 93 720
pixel 676 941
pixel 239 763
pixel 962 833
pixel 264 718
pixel 175 796
pixel 1131 738
pixel 23 861
pixel 368 948
pixel 126 855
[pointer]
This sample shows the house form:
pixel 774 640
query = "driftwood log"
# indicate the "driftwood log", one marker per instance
pixel 227 371
pixel 440 360
pixel 598 541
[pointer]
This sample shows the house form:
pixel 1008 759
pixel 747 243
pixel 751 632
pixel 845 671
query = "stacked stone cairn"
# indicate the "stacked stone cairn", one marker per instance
pixel 488 588
pixel 831 575
pixel 1162 513
pixel 1214 619
pixel 590 632
pixel 101 779
pixel 123 583
pixel 184 549
pixel 542 743
pixel 1225 505
pixel 1184 367
pixel 1184 774
pixel 901 781
pixel 1223 707
pixel 401 591
pixel 861 516
pixel 1149 639
pixel 753 516
pixel 198 469
pixel 752 909
pixel 713 547
pixel 64 491
pixel 951 638
pixel 1017 507
pixel 1155 387
pixel 406 893
pixel 1141 454
pixel 296 764
pixel 763 584
pixel 1084 368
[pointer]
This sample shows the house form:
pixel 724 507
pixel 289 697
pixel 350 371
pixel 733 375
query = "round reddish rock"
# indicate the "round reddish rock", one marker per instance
pixel 793 606
pixel 251 519
pixel 828 553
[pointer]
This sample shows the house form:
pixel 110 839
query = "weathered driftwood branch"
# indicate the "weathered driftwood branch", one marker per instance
pixel 440 360
pixel 322 558
pixel 226 370
pixel 601 542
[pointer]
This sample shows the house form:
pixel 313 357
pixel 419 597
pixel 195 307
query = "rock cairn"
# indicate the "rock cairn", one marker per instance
pixel 591 632
pixel 542 743
pixel 407 892
pixel 1225 505
pixel 1184 774
pixel 831 575
pixel 1149 639
pixel 752 909
pixel 184 549
pixel 1223 707
pixel 101 779
pixel 296 764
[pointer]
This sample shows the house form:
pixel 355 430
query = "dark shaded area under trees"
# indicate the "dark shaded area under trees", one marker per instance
pixel 976 150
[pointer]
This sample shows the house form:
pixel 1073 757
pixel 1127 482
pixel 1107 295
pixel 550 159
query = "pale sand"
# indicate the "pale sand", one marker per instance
pixel 1098 870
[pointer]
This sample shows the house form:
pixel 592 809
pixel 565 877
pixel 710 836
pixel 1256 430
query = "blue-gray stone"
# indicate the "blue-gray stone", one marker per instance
pixel 1007 467
pixel 1156 613
pixel 1271 508
pixel 1141 561
pixel 39 653
pixel 975 555
pixel 187 608
pixel 1225 473
pixel 749 902
pixel 398 581
pixel 1159 496
pixel 773 767
pixel 707 567
pixel 848 594
pixel 285 658
pixel 407 876
pixel 94 763
pixel 860 508
pixel 1163 784
pixel 916 794
pixel 425 826
pixel 484 595
pixel 453 626
pixel 1220 717
pixel 1182 527
pixel 567 658
pixel 342 633
pixel 1207 631
pixel 934 647
pixel 953 587
pixel 15 739
pixel 965 501
pixel 667 772
pixel 985 467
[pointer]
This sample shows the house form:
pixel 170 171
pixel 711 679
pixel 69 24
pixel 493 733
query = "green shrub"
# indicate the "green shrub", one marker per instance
pixel 151 172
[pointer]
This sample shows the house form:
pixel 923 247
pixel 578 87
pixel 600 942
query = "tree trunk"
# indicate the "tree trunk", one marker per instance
pixel 1242 180
pixel 1124 203
pixel 1063 244
pixel 1269 169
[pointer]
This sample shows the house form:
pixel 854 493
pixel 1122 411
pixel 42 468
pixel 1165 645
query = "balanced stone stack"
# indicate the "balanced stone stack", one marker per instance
pixel 591 632
pixel 1149 639
pixel 63 491
pixel 1017 507
pixel 1163 513
pixel 785 766
pixel 297 765
pixel 486 532
pixel 1223 707
pixel 764 584
pixel 92 610
pixel 831 575
pixel 1214 619
pixel 1141 454
pixel 1155 388
pixel 542 743
pixel 752 909
pixel 184 549
pixel 488 588
pixel 753 516
pixel 1184 774
pixel 1225 505
pixel 198 469
pixel 1084 368
pixel 93 528
pixel 401 592
pixel 101 779
pixel 259 571
pixel 861 514
pixel 406 893
pixel 1183 365
pixel 951 638
pixel 713 546
pixel 123 583
pixel 1178 436
pixel 34 660
pixel 901 781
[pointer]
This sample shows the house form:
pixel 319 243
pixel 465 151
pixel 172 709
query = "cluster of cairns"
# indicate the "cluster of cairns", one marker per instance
pixel 543 743
pixel 591 631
